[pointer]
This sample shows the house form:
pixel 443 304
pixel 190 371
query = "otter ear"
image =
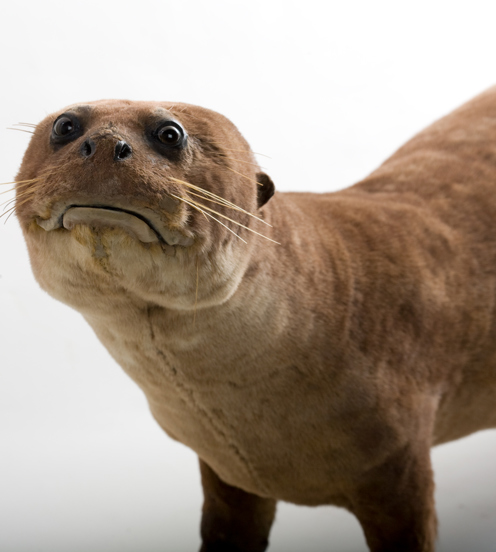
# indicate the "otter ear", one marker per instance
pixel 265 190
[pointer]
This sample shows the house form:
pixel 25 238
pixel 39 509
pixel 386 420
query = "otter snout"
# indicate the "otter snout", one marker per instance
pixel 122 149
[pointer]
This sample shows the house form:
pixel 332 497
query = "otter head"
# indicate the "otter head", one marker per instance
pixel 143 199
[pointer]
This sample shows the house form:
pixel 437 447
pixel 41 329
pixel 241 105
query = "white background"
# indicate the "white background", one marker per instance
pixel 328 90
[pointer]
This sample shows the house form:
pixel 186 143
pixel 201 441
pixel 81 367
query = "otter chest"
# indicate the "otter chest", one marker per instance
pixel 236 413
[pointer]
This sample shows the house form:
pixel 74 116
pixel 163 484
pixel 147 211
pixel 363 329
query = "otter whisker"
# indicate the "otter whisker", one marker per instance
pixel 11 212
pixel 8 191
pixel 19 191
pixel 230 219
pixel 13 209
pixel 244 176
pixel 220 199
pixel 23 188
pixel 21 194
pixel 206 192
pixel 22 183
pixel 16 199
pixel 26 183
pixel 209 215
pixel 40 177
pixel 241 150
pixel 18 196
pixel 13 201
pixel 20 130
pixel 25 200
pixel 228 204
pixel 18 182
pixel 225 226
pixel 206 198
pixel 204 214
pixel 7 202
pixel 19 203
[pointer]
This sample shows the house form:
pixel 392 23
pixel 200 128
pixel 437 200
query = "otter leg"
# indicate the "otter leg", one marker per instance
pixel 394 503
pixel 233 520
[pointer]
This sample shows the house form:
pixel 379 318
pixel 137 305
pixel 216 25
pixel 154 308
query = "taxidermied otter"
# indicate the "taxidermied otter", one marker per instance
pixel 309 347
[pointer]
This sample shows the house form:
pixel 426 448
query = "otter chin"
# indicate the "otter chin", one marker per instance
pixel 309 348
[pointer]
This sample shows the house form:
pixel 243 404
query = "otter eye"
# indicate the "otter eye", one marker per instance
pixel 171 135
pixel 66 128
pixel 63 126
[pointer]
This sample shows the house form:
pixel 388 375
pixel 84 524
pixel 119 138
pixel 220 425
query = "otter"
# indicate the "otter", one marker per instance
pixel 310 348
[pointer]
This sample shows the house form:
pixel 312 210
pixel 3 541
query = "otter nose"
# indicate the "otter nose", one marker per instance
pixel 122 151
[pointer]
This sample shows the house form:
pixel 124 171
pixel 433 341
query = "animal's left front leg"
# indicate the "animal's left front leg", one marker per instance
pixel 394 502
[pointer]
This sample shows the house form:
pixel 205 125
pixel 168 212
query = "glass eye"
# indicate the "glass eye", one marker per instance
pixel 170 135
pixel 63 126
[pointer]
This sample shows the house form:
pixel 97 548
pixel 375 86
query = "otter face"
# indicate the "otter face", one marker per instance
pixel 140 197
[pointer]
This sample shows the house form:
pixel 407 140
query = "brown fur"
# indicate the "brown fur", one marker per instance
pixel 317 371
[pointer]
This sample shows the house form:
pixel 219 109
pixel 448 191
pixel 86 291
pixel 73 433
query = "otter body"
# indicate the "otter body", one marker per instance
pixel 317 366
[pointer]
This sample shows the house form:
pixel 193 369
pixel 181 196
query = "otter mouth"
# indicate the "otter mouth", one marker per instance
pixel 144 226
pixel 105 217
